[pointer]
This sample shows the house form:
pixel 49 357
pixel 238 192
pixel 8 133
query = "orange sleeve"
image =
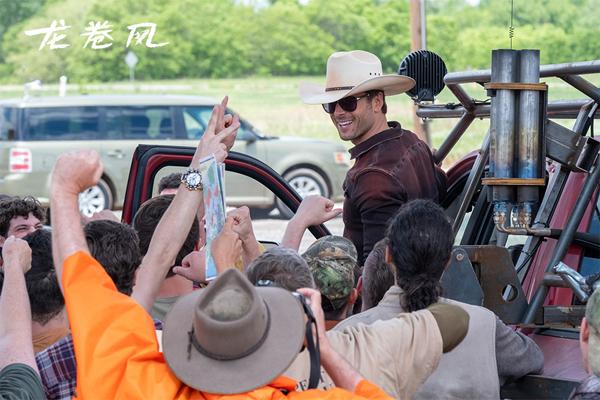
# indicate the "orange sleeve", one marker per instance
pixel 369 390
pixel 364 390
pixel 114 339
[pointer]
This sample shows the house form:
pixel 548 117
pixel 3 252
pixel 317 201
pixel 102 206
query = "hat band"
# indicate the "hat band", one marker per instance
pixel 331 89
pixel 221 357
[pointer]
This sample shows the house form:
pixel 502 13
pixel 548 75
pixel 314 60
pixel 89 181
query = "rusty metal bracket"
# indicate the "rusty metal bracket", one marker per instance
pixel 576 152
pixel 459 281
pixel 502 291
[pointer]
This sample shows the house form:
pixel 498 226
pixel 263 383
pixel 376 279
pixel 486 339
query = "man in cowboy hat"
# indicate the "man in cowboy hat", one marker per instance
pixel 392 165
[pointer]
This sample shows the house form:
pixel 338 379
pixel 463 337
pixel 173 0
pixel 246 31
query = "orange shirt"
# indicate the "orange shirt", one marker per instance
pixel 117 350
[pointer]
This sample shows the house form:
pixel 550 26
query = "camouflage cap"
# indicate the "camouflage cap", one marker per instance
pixel 592 315
pixel 332 261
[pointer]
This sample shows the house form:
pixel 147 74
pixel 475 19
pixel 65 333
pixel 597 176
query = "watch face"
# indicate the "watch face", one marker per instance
pixel 193 179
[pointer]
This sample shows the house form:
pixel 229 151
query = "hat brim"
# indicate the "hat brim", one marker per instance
pixel 311 93
pixel 281 346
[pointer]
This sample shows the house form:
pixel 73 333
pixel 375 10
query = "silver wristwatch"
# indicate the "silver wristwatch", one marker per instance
pixel 192 178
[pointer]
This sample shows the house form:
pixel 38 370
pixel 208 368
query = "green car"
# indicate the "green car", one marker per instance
pixel 34 131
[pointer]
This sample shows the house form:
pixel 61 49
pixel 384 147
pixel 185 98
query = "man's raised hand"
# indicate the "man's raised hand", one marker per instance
pixel 75 172
pixel 16 254
pixel 218 136
pixel 315 210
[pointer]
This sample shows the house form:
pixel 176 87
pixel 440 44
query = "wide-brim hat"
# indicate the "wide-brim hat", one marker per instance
pixel 352 72
pixel 232 337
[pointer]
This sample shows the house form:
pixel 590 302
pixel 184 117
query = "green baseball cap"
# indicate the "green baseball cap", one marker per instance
pixel 332 261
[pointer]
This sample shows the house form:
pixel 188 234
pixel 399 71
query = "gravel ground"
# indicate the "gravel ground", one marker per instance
pixel 272 229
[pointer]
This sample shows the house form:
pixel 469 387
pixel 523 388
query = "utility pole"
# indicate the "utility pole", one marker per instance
pixel 418 41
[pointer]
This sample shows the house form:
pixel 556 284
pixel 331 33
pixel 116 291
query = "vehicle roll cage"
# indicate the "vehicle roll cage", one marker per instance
pixel 570 148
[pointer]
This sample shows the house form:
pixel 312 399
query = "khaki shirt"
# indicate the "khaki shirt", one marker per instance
pixel 403 351
pixel 467 372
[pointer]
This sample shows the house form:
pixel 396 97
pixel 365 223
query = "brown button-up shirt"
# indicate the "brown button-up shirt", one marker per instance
pixel 391 168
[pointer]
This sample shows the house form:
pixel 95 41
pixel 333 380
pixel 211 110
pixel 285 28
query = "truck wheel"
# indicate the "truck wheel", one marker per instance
pixel 95 199
pixel 306 182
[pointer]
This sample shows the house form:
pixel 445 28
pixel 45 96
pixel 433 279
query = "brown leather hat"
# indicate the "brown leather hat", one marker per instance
pixel 232 337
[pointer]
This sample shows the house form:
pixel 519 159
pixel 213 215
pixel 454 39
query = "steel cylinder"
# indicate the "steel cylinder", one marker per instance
pixel 502 122
pixel 528 137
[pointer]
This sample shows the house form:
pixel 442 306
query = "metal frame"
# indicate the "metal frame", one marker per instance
pixel 583 110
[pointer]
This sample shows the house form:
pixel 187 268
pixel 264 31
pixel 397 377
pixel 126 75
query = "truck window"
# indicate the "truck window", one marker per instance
pixel 7 121
pixel 61 123
pixel 134 123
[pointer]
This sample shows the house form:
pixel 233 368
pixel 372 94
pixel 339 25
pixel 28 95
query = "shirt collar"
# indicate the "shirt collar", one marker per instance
pixel 392 296
pixel 375 140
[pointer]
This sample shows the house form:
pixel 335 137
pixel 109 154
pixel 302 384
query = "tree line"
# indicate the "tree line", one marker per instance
pixel 235 38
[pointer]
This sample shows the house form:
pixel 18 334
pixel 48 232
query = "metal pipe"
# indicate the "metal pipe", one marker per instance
pixel 502 127
pixel 529 148
pixel 462 97
pixel 472 182
pixel 566 238
pixel 574 280
pixel 453 137
pixel 583 85
pixel 556 109
pixel 483 76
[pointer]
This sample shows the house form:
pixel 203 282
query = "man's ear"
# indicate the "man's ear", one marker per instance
pixel 388 255
pixel 353 296
pixel 584 331
pixel 2 240
pixel 378 101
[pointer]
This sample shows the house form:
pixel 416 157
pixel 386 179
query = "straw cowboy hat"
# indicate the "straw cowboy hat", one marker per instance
pixel 351 72
pixel 232 337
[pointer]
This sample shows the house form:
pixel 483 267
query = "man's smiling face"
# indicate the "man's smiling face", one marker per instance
pixel 355 126
pixel 22 226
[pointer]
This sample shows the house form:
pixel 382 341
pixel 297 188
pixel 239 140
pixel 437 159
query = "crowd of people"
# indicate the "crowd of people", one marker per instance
pixel 96 309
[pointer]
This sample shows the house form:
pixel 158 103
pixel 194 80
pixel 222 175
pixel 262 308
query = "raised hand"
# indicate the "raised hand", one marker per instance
pixel 16 254
pixel 218 136
pixel 75 172
pixel 226 248
pixel 315 210
pixel 193 266
pixel 242 223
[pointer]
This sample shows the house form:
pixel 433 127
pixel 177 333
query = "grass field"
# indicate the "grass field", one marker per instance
pixel 274 107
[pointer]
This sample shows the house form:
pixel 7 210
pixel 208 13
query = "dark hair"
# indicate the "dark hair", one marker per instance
pixel 148 217
pixel 116 247
pixel 377 276
pixel 420 240
pixel 283 267
pixel 171 181
pixel 19 207
pixel 373 93
pixel 43 290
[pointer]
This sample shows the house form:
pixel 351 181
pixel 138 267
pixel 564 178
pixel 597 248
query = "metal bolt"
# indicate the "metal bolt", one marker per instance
pixel 460 257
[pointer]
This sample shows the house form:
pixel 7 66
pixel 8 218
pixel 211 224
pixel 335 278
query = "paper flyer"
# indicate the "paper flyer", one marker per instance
pixel 213 180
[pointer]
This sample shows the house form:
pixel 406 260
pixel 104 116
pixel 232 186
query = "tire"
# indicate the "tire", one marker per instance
pixel 95 199
pixel 306 182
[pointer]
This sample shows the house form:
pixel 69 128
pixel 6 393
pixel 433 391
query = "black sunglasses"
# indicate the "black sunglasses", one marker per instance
pixel 347 103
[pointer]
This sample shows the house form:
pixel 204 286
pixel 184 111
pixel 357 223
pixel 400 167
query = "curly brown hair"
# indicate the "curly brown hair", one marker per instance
pixel 19 207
